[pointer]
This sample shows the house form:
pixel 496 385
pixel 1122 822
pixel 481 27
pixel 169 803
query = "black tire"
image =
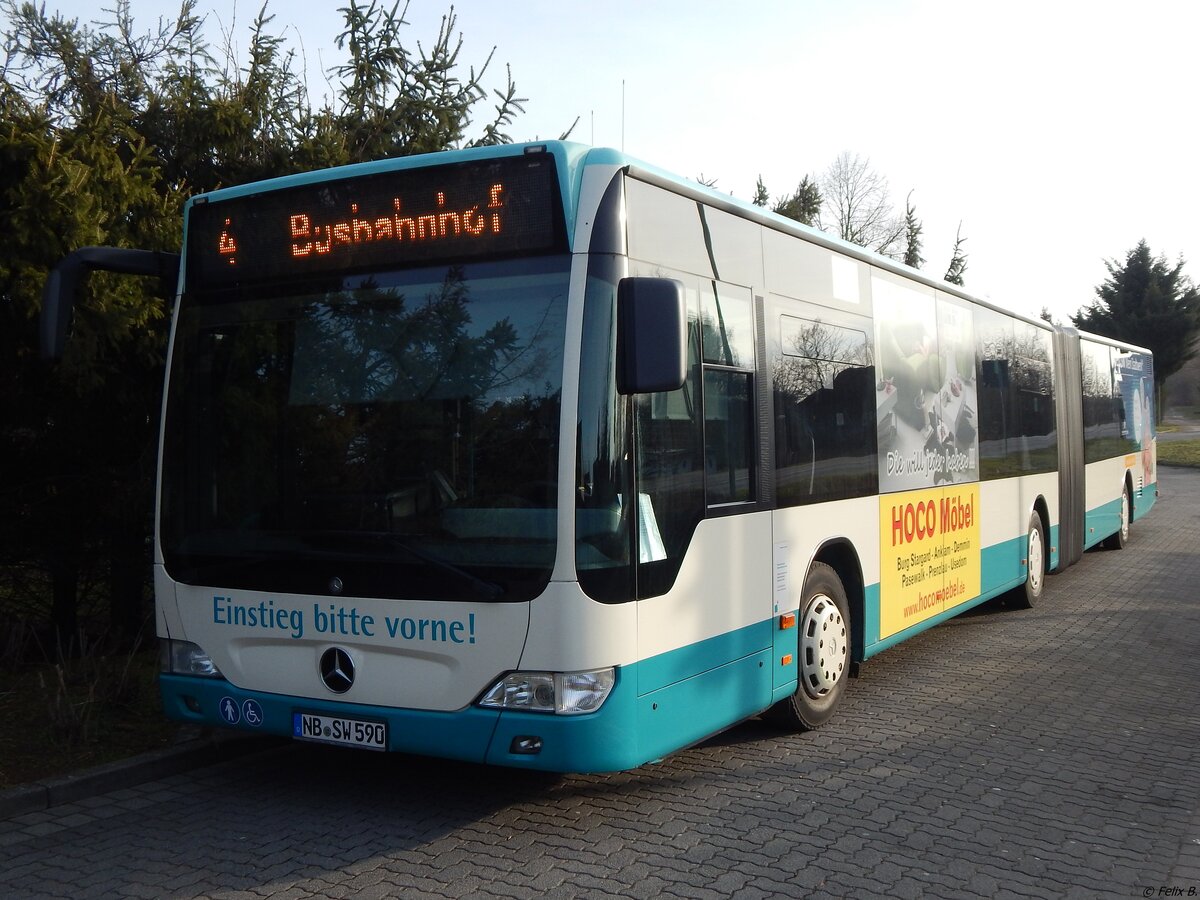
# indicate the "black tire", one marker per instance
pixel 1120 538
pixel 1028 594
pixel 823 653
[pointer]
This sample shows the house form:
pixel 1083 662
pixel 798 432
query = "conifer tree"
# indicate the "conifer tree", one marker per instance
pixel 912 235
pixel 107 129
pixel 761 197
pixel 1147 301
pixel 803 205
pixel 958 260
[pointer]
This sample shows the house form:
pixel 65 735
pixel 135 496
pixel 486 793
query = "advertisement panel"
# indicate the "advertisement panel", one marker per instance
pixel 1133 376
pixel 929 556
pixel 925 398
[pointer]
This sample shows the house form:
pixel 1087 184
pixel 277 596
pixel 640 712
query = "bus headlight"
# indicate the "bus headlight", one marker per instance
pixel 565 693
pixel 186 658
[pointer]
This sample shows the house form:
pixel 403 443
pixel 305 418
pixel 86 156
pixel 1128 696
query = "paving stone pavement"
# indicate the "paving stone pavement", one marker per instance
pixel 1042 753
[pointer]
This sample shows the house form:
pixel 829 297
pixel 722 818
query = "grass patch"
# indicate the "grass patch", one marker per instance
pixel 84 711
pixel 1179 453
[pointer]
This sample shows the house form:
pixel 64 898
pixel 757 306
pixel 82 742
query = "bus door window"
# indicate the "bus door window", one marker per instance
pixel 727 334
pixel 669 460
pixel 695 446
pixel 728 432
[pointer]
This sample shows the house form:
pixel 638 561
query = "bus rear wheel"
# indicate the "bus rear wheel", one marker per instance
pixel 824 653
pixel 1030 593
pixel 1120 537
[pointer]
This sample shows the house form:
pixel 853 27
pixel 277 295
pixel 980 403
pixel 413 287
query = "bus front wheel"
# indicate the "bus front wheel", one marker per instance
pixel 823 653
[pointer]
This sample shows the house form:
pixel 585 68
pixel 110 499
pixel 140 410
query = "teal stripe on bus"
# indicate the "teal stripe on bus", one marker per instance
pixel 695 659
pixel 1100 522
pixel 1142 504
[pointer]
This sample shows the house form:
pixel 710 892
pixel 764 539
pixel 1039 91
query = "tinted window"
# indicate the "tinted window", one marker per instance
pixel 825 424
pixel 602 537
pixel 1033 399
pixel 1101 426
pixel 670 468
pixel 728 436
pixel 400 434
pixel 727 325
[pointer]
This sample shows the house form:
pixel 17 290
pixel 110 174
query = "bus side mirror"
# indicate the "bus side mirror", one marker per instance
pixel 62 282
pixel 651 335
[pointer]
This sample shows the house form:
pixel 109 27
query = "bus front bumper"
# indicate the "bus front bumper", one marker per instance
pixel 603 741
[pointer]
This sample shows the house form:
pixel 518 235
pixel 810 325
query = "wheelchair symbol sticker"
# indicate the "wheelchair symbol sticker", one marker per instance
pixel 229 711
pixel 252 713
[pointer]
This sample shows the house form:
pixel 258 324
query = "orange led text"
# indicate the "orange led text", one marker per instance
pixel 442 224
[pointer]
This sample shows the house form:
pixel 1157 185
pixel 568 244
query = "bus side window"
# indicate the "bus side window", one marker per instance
pixel 824 386
pixel 728 436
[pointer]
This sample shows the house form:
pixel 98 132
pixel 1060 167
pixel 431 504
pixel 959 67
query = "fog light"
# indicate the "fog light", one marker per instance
pixel 191 703
pixel 526 744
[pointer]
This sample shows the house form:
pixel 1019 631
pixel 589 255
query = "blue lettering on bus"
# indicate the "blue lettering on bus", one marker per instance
pixel 437 631
pixel 264 615
pixel 333 619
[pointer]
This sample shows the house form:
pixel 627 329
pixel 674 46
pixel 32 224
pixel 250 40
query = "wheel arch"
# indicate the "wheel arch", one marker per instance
pixel 839 554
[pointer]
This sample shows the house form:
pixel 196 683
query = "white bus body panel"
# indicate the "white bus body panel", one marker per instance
pixel 800 531
pixel 1103 483
pixel 1001 517
pixel 571 632
pixel 1007 503
pixel 418 654
pixel 723 585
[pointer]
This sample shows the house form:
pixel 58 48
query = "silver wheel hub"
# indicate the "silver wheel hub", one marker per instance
pixel 824 646
pixel 1124 514
pixel 1036 564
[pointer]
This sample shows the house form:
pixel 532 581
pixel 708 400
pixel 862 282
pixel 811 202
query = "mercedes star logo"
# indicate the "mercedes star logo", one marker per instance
pixel 337 670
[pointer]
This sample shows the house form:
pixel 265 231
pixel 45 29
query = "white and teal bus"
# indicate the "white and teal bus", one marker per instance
pixel 537 456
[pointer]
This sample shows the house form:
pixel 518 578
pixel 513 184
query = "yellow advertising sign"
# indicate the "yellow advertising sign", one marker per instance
pixel 929 554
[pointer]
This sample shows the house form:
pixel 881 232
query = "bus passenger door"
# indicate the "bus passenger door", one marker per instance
pixel 703 571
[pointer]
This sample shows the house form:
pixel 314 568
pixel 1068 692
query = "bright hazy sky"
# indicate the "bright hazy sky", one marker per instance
pixel 1059 133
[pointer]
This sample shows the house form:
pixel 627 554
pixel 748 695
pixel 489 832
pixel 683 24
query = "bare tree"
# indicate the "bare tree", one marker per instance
pixel 858 207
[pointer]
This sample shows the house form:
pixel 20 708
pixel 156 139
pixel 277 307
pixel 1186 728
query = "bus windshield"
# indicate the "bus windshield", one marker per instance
pixel 390 435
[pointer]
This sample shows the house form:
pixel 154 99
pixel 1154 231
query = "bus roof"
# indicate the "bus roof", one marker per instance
pixel 573 158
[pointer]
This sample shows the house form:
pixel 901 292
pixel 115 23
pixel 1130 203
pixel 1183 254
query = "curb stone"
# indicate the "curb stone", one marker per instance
pixel 204 749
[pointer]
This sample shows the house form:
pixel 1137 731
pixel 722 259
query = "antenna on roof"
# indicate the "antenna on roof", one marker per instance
pixel 622 115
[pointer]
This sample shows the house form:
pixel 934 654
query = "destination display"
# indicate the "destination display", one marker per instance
pixel 474 210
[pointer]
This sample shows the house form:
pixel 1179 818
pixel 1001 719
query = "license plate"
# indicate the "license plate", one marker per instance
pixel 340 730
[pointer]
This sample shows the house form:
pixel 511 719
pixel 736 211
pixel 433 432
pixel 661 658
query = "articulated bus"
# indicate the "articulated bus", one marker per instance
pixel 540 457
